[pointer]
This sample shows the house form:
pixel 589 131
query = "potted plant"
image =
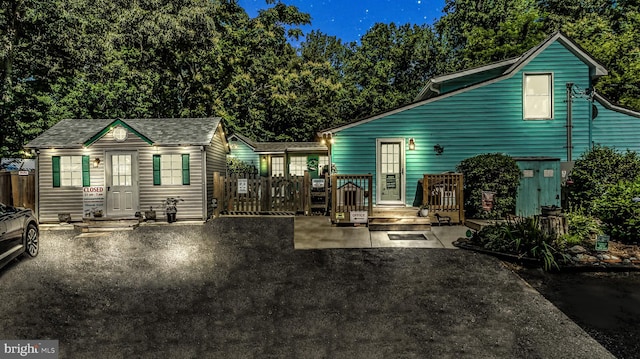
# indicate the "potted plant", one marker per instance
pixel 550 210
pixel 423 211
pixel 171 208
pixel 150 215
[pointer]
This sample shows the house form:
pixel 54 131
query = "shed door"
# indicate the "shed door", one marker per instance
pixel 390 171
pixel 539 186
pixel 122 184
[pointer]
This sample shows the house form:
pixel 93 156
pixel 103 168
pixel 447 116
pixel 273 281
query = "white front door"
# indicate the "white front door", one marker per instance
pixel 122 184
pixel 390 171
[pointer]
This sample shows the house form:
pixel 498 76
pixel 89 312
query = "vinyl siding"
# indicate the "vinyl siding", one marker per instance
pixel 615 129
pixel 487 119
pixel 216 162
pixel 244 153
pixel 69 199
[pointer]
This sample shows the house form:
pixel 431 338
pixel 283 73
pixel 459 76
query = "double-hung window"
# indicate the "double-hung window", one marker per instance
pixel 538 96
pixel 297 165
pixel 70 171
pixel 171 169
pixel 277 166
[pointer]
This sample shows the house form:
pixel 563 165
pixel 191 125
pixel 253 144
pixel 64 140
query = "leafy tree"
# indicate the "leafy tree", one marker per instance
pixel 481 32
pixel 390 66
pixel 597 170
pixel 619 210
pixel 494 172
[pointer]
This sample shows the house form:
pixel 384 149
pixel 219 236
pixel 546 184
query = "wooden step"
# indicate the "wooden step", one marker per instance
pixel 107 224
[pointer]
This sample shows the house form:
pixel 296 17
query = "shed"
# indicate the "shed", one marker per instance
pixel 125 166
pixel 539 184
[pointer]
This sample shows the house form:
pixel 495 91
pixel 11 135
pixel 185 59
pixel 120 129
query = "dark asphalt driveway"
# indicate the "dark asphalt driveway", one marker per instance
pixel 235 288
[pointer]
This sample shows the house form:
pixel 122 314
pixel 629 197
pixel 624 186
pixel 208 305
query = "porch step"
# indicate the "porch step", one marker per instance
pixel 400 224
pixel 398 219
pixel 107 225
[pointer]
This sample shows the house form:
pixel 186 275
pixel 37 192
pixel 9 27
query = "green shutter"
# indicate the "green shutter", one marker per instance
pixel 86 178
pixel 55 168
pixel 185 169
pixel 156 170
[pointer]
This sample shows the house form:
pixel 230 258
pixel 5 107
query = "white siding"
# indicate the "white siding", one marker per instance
pixel 69 199
pixel 216 162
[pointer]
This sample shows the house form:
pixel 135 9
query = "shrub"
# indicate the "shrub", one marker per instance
pixel 580 227
pixel 235 165
pixel 619 211
pixel 494 172
pixel 522 237
pixel 599 168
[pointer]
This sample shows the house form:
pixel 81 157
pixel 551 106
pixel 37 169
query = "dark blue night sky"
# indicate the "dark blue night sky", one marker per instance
pixel 350 19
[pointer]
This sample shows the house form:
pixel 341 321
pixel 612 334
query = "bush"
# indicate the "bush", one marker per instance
pixel 619 210
pixel 580 227
pixel 598 169
pixel 234 165
pixel 522 237
pixel 494 172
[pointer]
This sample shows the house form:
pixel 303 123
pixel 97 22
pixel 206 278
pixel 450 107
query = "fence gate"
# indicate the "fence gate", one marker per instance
pixel 443 193
pixel 250 193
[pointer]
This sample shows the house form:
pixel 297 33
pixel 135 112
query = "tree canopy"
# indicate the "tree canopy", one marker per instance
pixel 193 58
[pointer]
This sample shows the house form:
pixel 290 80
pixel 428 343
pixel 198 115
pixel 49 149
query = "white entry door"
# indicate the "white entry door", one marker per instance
pixel 122 184
pixel 390 171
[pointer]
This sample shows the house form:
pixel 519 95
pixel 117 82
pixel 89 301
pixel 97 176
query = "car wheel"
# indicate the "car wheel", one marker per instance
pixel 32 240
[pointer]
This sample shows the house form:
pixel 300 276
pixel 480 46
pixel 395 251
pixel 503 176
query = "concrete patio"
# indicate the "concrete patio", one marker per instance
pixel 316 232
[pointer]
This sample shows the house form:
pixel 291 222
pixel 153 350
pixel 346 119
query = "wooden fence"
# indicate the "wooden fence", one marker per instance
pixel 240 193
pixel 18 190
pixel 444 195
pixel 350 193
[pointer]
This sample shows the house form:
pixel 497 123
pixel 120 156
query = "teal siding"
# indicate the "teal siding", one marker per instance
pixel 615 129
pixel 244 153
pixel 487 119
pixel 458 83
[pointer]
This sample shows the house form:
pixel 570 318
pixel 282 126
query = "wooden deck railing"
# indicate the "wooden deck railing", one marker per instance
pixel 444 194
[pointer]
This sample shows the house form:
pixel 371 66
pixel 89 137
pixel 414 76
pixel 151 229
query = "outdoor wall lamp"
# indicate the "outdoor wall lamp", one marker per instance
pixel 438 149
pixel 96 162
pixel 412 144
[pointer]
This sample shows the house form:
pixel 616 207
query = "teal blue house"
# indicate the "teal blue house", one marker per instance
pixel 279 158
pixel 539 108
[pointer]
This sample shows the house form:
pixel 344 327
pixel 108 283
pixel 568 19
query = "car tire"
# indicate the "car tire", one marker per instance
pixel 32 240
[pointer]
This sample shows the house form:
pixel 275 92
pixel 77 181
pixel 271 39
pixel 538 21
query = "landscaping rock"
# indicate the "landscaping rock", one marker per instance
pixel 586 258
pixel 577 250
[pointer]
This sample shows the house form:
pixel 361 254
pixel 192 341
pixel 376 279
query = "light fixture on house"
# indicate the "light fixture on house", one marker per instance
pixel 412 144
pixel 96 162
pixel 438 149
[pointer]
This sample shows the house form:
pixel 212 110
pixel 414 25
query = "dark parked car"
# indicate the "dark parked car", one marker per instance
pixel 18 233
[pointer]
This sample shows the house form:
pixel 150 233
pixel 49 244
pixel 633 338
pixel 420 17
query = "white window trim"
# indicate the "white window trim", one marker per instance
pixel 297 163
pixel 551 95
pixel 163 169
pixel 73 175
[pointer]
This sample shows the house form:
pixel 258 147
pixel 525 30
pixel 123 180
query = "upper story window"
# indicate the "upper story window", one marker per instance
pixel 538 97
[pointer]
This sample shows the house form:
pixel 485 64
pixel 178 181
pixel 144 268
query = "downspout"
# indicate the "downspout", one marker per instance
pixel 569 122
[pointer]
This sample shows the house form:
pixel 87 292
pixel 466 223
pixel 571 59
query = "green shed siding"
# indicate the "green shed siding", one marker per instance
pixel 244 153
pixel 486 119
pixel 615 129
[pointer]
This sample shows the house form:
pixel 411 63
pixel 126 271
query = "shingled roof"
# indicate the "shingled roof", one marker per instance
pixel 76 133
pixel 280 147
